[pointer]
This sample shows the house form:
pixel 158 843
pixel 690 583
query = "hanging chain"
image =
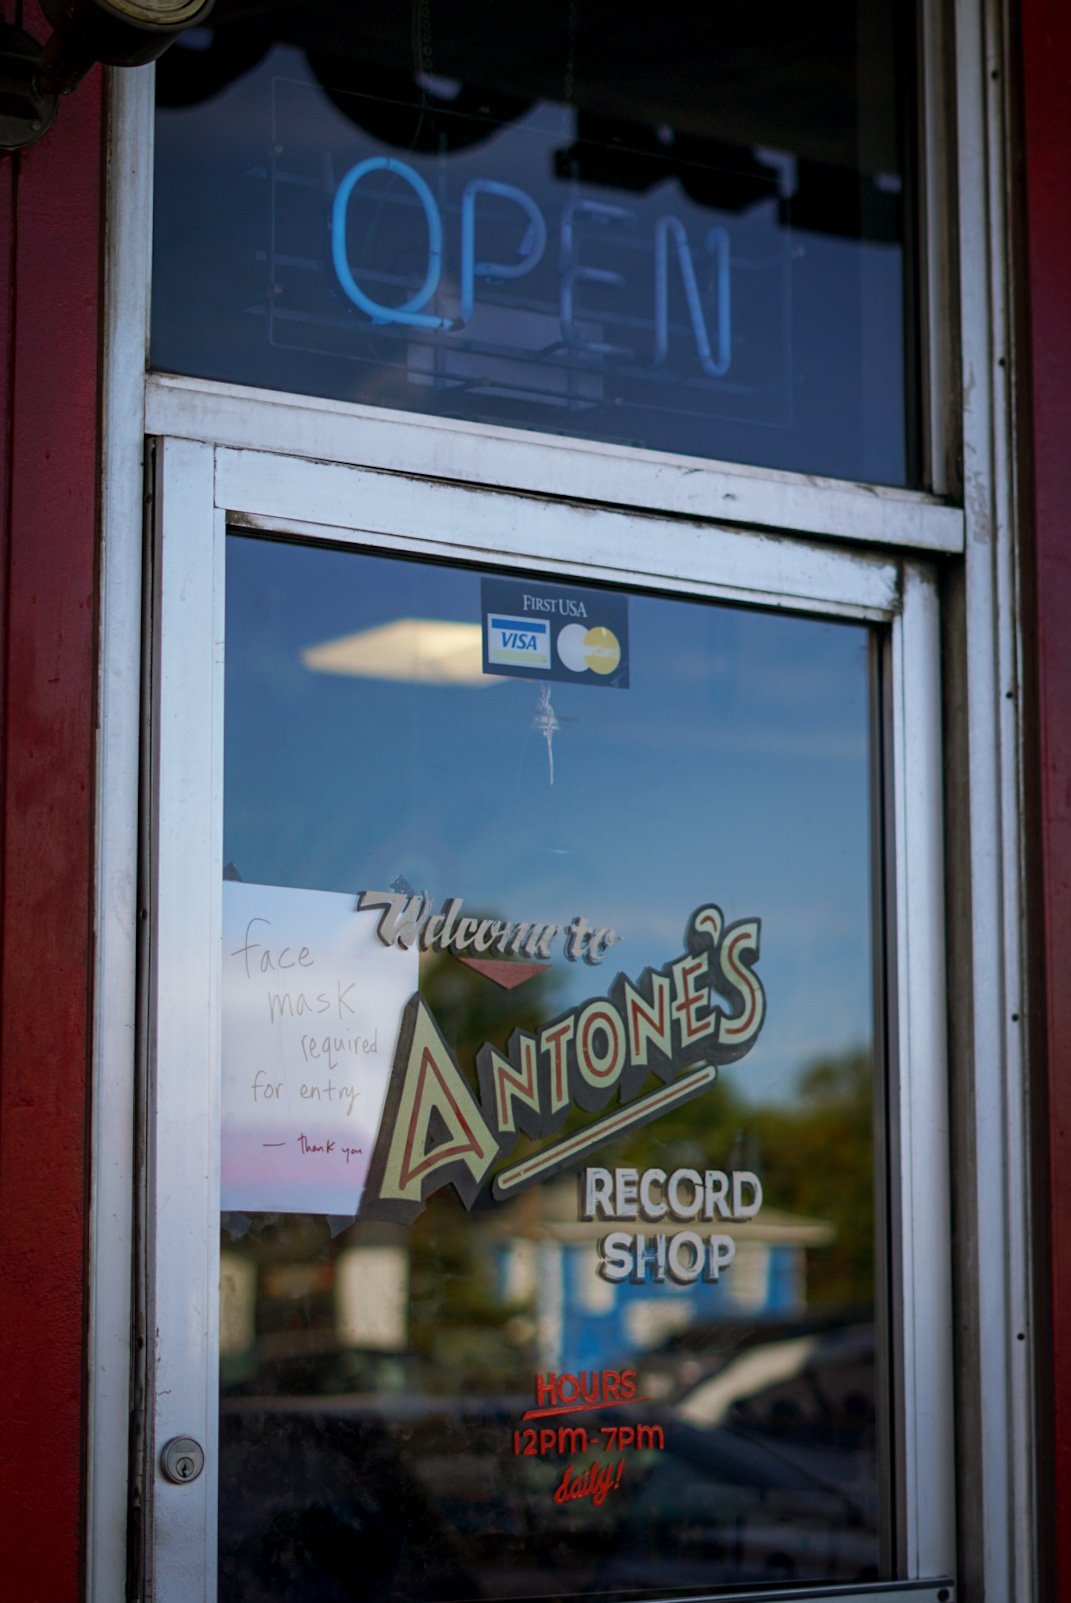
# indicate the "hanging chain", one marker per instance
pixel 421 34
pixel 569 80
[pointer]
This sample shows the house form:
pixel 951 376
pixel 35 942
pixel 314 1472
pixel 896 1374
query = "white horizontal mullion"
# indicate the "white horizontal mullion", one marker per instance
pixel 583 470
pixel 271 491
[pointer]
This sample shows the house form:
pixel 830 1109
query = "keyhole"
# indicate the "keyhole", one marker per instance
pixel 182 1460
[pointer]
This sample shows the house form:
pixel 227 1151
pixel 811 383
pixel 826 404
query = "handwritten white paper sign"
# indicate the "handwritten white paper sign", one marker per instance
pixel 312 1003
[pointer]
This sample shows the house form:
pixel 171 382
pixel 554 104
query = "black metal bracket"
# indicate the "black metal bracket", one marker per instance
pixel 26 109
pixel 120 33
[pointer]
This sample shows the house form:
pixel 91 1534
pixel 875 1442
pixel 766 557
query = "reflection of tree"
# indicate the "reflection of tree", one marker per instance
pixel 816 1157
pixel 456 1320
pixel 813 1154
pixel 471 1335
pixel 708 1133
pixel 470 1009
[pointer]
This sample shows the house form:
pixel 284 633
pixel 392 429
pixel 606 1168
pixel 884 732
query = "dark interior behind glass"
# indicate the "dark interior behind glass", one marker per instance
pixel 682 227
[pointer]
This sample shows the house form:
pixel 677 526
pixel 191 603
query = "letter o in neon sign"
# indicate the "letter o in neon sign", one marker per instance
pixel 409 312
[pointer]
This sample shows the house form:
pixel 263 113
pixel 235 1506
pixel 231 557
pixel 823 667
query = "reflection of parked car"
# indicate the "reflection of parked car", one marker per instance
pixel 786 1432
pixel 811 1385
pixel 686 1357
pixel 771 1476
pixel 321 1506
pixel 315 1365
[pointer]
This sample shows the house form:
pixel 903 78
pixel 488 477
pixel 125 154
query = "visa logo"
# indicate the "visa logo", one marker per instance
pixel 517 642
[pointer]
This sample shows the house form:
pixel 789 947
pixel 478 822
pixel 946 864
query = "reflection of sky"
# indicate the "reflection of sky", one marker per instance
pixel 735 769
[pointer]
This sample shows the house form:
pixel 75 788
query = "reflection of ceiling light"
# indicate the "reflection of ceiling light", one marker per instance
pixel 419 651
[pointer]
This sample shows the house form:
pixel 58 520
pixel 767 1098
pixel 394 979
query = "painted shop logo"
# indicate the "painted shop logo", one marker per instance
pixel 660 1199
pixel 703 1009
pixel 407 920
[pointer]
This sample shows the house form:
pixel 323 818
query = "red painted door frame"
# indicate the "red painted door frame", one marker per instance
pixel 50 283
pixel 1046 131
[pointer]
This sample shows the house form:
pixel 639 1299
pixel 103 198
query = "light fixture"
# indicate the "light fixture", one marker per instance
pixel 418 651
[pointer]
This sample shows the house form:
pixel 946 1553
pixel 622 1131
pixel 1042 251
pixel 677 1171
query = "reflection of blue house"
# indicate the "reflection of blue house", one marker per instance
pixel 549 1260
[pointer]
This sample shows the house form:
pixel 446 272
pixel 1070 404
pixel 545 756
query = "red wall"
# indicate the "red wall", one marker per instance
pixel 50 232
pixel 1046 47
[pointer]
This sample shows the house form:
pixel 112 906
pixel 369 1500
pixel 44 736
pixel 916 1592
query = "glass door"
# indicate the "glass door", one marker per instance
pixel 540 1000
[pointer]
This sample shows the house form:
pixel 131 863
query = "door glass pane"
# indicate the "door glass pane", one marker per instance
pixel 553 1223
pixel 681 229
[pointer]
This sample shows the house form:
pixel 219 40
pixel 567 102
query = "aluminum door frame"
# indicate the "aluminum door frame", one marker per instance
pixel 199 491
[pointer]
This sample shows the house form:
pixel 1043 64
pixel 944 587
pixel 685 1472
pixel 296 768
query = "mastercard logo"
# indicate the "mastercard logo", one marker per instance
pixel 596 650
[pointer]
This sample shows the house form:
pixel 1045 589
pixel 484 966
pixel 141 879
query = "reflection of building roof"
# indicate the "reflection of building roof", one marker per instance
pixel 551 1213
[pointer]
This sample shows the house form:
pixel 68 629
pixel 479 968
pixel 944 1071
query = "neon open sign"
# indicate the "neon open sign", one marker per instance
pixel 680 265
